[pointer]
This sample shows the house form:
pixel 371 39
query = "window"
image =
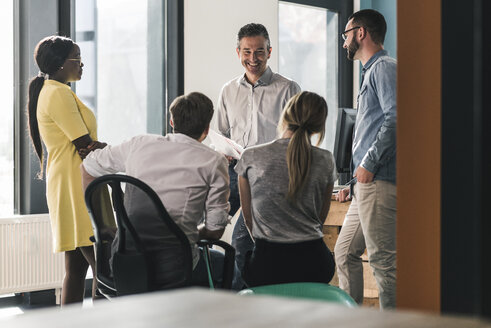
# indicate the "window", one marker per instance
pixel 308 54
pixel 7 105
pixel 121 45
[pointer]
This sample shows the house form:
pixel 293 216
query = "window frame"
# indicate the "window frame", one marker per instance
pixel 32 21
pixel 345 74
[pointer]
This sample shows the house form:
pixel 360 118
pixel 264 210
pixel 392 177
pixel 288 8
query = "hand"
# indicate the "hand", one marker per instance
pixel 83 152
pixel 343 195
pixel 362 175
pixel 229 158
pixel 96 145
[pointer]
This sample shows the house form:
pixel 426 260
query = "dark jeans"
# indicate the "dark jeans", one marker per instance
pixel 243 244
pixel 200 273
pixel 241 240
pixel 169 268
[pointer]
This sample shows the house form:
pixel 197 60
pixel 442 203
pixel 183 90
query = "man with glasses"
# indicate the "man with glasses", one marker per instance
pixel 371 219
pixel 248 111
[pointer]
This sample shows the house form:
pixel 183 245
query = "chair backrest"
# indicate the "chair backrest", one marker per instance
pixel 149 250
pixel 308 290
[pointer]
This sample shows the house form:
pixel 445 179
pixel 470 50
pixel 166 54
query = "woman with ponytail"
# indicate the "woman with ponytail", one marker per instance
pixel 285 191
pixel 67 128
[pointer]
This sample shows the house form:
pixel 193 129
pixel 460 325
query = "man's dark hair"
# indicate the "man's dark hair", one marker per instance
pixel 191 114
pixel 373 22
pixel 253 29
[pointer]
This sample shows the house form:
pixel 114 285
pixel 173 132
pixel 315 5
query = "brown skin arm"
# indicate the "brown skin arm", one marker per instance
pixel 85 145
pixel 82 142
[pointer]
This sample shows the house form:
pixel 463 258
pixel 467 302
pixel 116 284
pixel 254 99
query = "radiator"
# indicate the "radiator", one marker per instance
pixel 27 261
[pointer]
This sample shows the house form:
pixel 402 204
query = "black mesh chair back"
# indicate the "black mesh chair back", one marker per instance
pixel 149 251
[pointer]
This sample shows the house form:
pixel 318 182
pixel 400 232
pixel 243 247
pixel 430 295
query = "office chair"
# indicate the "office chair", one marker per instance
pixel 306 290
pixel 144 226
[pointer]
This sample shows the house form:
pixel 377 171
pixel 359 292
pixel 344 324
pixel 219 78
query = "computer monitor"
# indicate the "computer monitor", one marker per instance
pixel 342 144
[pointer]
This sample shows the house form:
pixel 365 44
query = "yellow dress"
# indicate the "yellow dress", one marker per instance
pixel 62 118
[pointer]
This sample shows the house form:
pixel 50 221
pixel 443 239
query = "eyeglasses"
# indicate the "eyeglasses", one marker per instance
pixel 343 35
pixel 79 60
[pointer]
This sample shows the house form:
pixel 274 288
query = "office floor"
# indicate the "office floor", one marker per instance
pixel 11 305
pixel 15 304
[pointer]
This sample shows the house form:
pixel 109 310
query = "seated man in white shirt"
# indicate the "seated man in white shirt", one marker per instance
pixel 190 178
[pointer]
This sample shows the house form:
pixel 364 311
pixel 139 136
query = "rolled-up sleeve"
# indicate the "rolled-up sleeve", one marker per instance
pixel 217 205
pixel 109 160
pixel 242 164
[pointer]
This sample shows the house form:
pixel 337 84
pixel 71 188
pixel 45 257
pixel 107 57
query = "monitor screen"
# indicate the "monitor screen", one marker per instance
pixel 342 144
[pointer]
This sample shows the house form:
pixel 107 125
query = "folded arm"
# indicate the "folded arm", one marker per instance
pixel 85 145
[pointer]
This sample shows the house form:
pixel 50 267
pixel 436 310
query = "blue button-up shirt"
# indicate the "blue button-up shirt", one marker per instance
pixel 374 142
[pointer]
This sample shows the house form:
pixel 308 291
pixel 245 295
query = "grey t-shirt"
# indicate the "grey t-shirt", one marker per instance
pixel 274 218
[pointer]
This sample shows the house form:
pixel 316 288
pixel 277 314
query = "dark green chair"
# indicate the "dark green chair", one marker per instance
pixel 307 290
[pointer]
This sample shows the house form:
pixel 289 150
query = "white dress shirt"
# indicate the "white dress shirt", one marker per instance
pixel 189 177
pixel 249 114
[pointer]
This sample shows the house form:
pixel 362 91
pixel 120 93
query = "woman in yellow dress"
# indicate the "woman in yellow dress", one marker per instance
pixel 68 129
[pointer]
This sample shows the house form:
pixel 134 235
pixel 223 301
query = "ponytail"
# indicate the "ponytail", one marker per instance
pixel 298 159
pixel 35 86
pixel 305 114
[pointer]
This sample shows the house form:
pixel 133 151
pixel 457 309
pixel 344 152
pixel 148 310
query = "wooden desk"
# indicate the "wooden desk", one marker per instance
pixel 334 221
pixel 204 308
pixel 332 227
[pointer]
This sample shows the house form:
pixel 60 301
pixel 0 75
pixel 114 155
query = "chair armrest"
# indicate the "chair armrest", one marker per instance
pixel 107 234
pixel 229 260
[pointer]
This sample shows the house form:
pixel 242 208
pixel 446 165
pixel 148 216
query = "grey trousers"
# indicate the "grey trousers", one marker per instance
pixel 370 222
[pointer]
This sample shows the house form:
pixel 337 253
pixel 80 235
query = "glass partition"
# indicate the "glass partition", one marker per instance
pixel 115 37
pixel 308 54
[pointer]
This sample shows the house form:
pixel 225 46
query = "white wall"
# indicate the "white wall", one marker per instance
pixel 210 32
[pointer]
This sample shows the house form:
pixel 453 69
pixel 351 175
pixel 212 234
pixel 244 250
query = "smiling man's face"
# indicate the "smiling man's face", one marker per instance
pixel 254 54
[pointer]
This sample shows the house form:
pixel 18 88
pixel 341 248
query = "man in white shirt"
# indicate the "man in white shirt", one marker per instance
pixel 248 111
pixel 189 177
